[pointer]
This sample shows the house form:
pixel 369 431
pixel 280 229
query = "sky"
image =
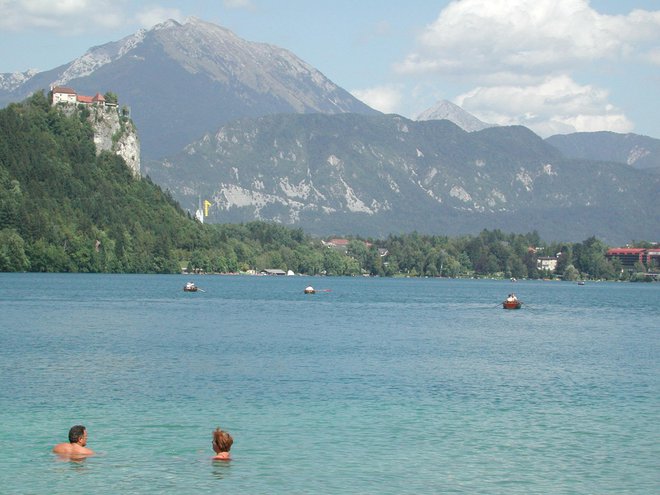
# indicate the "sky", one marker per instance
pixel 555 66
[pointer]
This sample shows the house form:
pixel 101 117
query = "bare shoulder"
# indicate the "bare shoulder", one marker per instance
pixel 67 449
pixel 84 451
pixel 62 448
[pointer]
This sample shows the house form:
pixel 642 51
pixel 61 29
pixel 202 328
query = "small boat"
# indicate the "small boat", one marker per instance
pixel 309 290
pixel 581 282
pixel 511 302
pixel 190 287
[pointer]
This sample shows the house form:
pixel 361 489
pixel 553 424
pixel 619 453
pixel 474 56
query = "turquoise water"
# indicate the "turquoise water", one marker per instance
pixel 375 386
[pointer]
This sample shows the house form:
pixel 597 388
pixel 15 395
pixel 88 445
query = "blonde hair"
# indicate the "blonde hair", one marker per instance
pixel 222 439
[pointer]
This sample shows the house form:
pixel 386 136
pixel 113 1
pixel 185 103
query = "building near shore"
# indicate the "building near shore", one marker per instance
pixel 629 256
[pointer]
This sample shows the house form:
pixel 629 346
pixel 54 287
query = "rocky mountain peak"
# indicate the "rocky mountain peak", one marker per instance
pixel 181 80
pixel 12 80
pixel 170 23
pixel 203 47
pixel 98 56
pixel 446 110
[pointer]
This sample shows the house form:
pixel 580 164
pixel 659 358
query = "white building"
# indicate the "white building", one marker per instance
pixel 548 263
pixel 63 94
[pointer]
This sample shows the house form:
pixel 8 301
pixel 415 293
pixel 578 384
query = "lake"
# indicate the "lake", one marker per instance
pixel 372 385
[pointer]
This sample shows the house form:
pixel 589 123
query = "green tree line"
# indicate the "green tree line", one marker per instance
pixel 65 209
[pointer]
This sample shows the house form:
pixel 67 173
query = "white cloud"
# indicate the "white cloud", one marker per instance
pixel 78 16
pixel 557 105
pixel 155 15
pixel 523 57
pixel 485 36
pixel 383 98
pixel 69 16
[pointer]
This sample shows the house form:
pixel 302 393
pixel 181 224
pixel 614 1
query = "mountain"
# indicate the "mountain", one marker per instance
pixel 182 80
pixel 641 152
pixel 375 175
pixel 448 111
pixel 295 148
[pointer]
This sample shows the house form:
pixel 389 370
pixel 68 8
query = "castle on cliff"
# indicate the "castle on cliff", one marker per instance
pixel 112 132
pixel 64 94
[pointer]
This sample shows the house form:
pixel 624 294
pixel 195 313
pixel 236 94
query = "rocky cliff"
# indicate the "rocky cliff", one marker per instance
pixel 113 132
pixel 116 133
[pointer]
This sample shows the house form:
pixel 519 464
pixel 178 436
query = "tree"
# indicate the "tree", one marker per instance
pixel 590 258
pixel 374 264
pixel 466 263
pixel 333 264
pixel 311 261
pixel 219 264
pixel 639 267
pixel 358 250
pixel 530 261
pixel 12 252
pixel 516 267
pixel 571 273
pixel 351 266
pixel 111 98
pixel 452 267
pixel 199 262
pixel 565 259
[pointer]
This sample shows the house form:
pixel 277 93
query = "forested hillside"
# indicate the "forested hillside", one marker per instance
pixel 65 209
pixel 62 208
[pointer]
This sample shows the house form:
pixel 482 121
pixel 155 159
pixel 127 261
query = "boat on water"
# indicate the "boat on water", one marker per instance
pixel 190 287
pixel 581 282
pixel 310 290
pixel 512 302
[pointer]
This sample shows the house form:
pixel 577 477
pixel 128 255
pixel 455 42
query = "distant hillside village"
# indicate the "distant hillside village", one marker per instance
pixel 626 256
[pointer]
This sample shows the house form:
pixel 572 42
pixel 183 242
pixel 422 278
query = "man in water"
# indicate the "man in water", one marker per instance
pixel 77 444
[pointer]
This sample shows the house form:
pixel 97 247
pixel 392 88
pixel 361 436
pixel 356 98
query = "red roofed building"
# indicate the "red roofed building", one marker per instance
pixel 629 256
pixel 64 94
pixel 341 245
pixel 653 257
pixel 338 242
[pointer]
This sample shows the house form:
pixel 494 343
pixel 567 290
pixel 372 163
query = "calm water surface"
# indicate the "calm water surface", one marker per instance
pixel 374 386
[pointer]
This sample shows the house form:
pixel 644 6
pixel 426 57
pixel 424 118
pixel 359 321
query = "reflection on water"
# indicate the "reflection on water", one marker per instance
pixel 221 469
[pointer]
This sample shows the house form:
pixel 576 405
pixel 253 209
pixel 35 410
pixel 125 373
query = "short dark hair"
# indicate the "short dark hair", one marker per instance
pixel 76 432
